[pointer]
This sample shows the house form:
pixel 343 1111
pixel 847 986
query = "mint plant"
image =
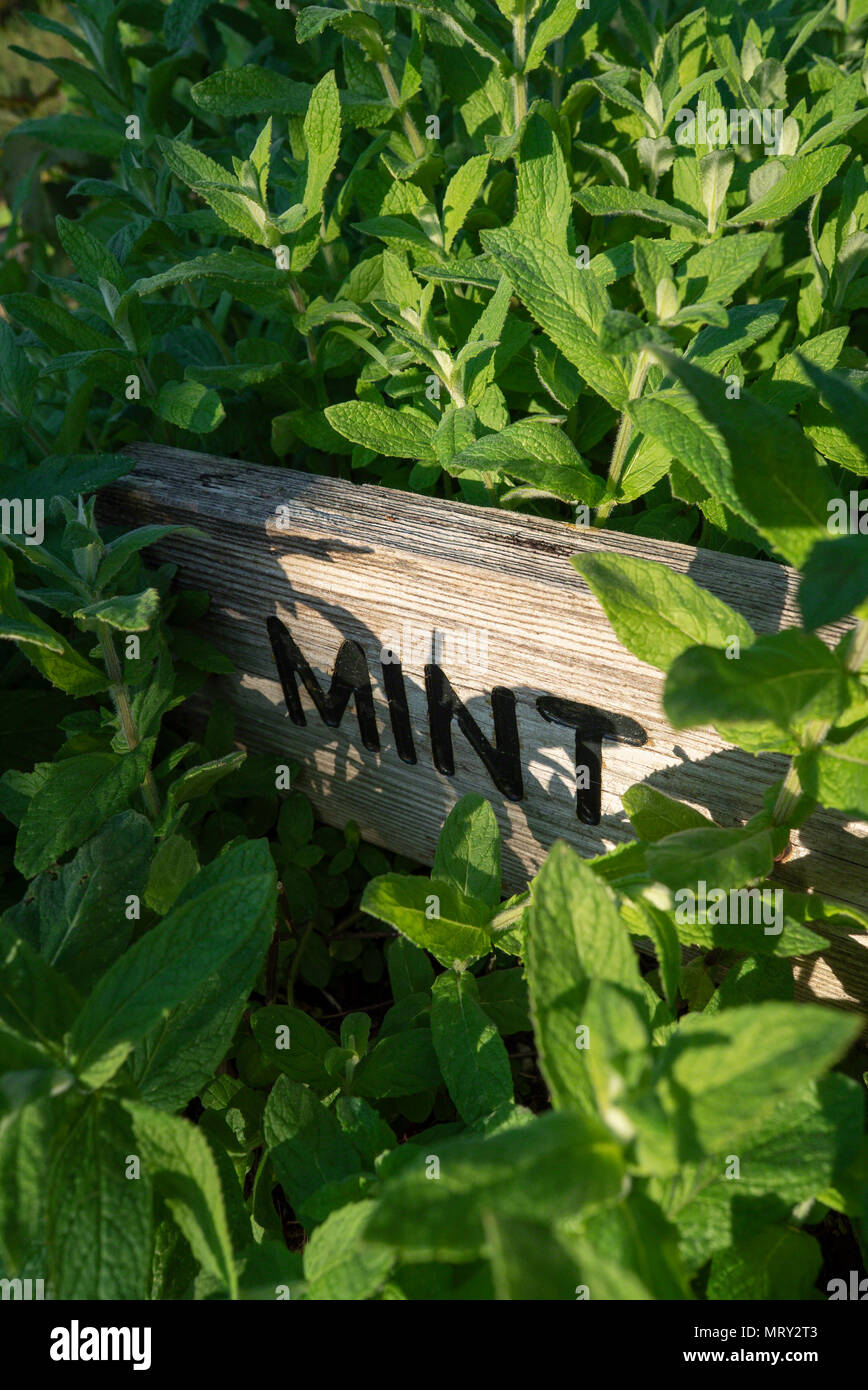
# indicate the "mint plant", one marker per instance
pixel 601 264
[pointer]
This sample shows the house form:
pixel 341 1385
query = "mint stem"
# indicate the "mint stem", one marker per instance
pixel 121 696
pixel 519 80
pixel 417 144
pixel 623 437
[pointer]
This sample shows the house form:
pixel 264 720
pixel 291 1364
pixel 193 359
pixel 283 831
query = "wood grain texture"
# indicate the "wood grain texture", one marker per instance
pixel 365 563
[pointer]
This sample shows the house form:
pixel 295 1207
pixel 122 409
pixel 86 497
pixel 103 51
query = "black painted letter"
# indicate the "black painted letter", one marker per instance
pixel 399 712
pixel 503 761
pixel 350 677
pixel 591 726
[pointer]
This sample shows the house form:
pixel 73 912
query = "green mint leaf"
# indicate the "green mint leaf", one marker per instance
pixel 78 794
pixel 293 1041
pixel 433 913
pixel 545 1171
pixel 726 858
pixel 339 1264
pixel 17 377
pixel 173 866
pixel 567 303
pixel 835 580
pixel 229 901
pixel 322 133
pixel 99 1221
pixel 410 971
pixel 460 194
pixel 575 936
pixel 394 433
pixel 787 500
pixel 117 554
pixel 785 1260
pixel 468 850
pixel 306 1143
pixel 717 270
pixel 630 1250
pixel 469 1049
pixel 656 612
pixel 611 202
pixel 804 178
pixel 837 774
pixel 190 405
pixel 653 815
pixel 363 29
pixel 198 781
pixel 126 612
pixel 718 1079
pixel 35 1000
pixel 787 677
pixel 542 185
pixel 534 452
pixel 177 1157
pixel 402 1064
pixel 82 907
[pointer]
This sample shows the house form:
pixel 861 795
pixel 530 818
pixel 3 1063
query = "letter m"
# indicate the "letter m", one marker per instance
pixel 114 1343
pixel 744 122
pixel 745 906
pixel 350 677
pixel 11 1288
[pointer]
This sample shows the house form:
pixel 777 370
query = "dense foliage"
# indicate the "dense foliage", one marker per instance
pixel 487 250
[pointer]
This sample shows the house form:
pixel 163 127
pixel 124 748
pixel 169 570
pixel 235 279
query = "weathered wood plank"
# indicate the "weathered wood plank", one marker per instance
pixel 335 561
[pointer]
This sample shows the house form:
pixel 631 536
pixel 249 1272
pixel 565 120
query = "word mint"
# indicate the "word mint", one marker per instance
pixel 501 757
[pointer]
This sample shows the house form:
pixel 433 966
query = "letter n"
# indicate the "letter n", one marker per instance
pixel 350 677
pixel 502 761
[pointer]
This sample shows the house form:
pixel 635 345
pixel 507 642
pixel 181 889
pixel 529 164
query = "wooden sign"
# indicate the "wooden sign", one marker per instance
pixel 408 650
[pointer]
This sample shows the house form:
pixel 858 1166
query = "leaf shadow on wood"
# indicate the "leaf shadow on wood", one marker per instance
pixel 762 602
